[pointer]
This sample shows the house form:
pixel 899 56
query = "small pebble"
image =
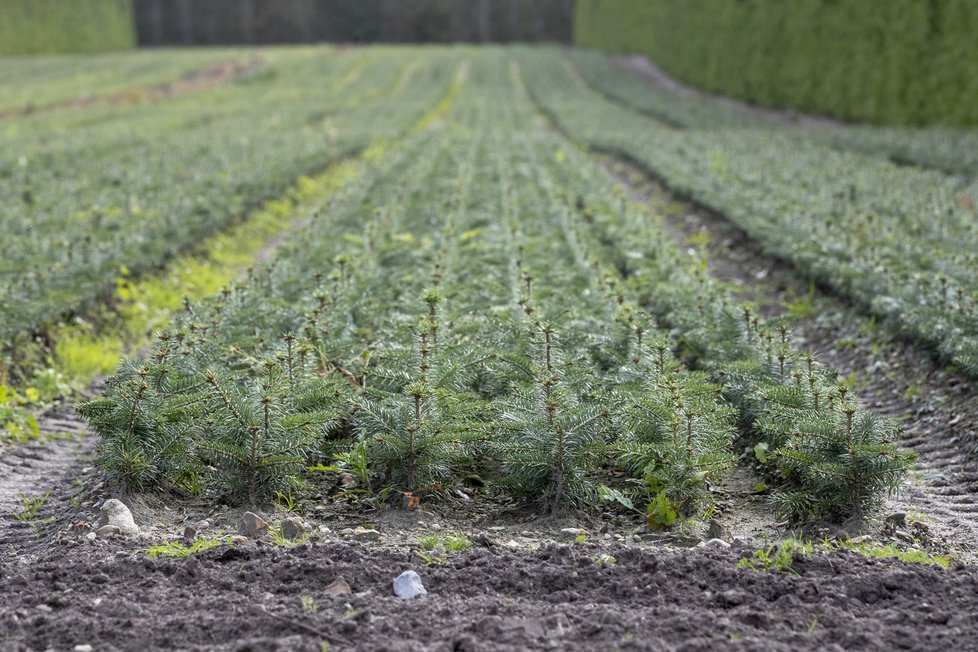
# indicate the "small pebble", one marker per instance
pixel 366 534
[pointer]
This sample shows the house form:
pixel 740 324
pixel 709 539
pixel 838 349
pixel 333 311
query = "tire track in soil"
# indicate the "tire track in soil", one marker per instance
pixel 53 463
pixel 938 407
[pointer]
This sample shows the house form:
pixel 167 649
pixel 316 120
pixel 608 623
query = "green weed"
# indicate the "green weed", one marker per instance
pixel 890 551
pixel 81 356
pixel 446 542
pixel 180 550
pixel 277 537
pixel 31 506
pixel 802 307
pixel 17 422
pixel 779 558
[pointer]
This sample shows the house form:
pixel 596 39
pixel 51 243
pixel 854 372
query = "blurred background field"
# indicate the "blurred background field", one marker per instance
pixel 873 61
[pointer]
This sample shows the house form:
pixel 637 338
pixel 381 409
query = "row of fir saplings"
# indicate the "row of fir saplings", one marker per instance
pixel 617 420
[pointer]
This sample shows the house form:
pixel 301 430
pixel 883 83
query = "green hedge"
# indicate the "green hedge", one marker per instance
pixel 36 26
pixel 881 61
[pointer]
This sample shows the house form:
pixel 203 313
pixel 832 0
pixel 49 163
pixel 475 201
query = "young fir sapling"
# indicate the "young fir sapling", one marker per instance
pixel 677 431
pixel 553 436
pixel 418 426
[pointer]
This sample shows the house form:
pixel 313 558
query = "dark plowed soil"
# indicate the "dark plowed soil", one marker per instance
pixel 937 407
pixel 486 599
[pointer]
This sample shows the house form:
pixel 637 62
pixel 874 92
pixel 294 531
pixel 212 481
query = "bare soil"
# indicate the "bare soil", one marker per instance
pixel 267 598
pixel 56 469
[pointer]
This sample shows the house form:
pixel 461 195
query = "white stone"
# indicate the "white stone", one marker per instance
pixel 114 512
pixel 713 543
pixel 408 585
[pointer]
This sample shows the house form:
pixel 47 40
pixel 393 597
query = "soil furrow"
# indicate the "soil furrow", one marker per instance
pixel 54 477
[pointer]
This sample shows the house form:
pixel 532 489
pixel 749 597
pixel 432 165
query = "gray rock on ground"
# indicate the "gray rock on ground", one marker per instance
pixel 361 533
pixel 899 519
pixel 408 585
pixel 293 528
pixel 251 524
pixel 115 513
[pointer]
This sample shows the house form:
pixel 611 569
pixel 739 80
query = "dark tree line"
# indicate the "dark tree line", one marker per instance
pixel 214 22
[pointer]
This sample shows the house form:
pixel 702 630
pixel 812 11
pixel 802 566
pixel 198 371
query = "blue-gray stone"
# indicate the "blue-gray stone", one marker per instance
pixel 408 585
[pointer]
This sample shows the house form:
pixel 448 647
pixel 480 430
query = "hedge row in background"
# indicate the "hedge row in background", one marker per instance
pixel 224 22
pixel 881 61
pixel 36 26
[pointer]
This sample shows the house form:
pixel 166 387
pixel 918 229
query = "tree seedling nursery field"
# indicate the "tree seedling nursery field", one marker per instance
pixel 567 348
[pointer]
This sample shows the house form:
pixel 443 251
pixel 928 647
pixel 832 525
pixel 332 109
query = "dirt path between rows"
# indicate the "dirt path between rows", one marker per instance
pixel 194 81
pixel 643 67
pixel 55 470
pixel 560 597
pixel 937 407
